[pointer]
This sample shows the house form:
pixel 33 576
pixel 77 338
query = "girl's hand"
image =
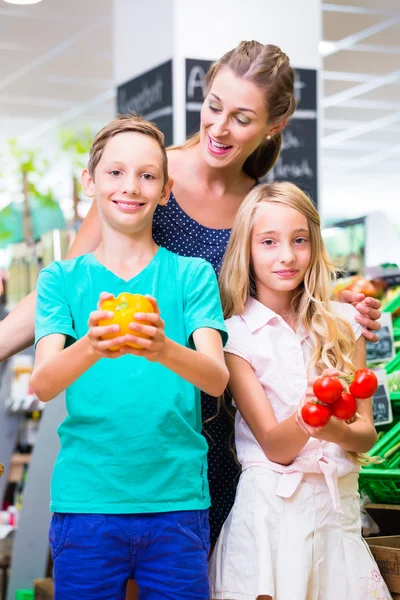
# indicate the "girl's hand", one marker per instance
pixel 334 429
pixel 369 312
pixel 153 348
pixel 333 432
pixel 101 347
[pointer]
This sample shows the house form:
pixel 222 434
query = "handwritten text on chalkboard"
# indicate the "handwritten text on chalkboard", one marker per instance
pixel 150 95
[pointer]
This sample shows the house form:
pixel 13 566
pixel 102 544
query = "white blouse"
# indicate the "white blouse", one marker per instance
pixel 279 357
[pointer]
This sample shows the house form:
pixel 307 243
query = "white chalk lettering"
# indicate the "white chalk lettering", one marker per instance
pixel 144 100
pixel 195 80
pixel 298 86
pixel 290 140
pixel 293 170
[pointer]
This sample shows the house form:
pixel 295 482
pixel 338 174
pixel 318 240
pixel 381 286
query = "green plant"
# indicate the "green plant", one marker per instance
pixel 77 146
pixel 27 164
pixel 5 232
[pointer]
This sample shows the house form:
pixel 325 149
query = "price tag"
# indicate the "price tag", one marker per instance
pixel 381 403
pixel 383 350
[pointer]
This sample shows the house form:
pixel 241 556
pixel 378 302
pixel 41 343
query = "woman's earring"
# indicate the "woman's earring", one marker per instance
pixel 268 137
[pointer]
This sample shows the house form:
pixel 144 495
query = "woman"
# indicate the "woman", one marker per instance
pixel 249 99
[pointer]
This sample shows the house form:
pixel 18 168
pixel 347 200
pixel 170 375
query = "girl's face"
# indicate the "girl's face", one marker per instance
pixel 233 120
pixel 280 248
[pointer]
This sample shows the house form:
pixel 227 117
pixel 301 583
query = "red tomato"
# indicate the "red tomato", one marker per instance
pixel 315 415
pixel 345 408
pixel 328 389
pixel 364 385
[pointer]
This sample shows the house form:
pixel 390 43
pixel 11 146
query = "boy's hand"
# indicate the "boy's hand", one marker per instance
pixel 99 346
pixel 153 348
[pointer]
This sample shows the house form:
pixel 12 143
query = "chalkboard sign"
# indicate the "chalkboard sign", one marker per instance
pixel 195 75
pixel 383 350
pixel 298 159
pixel 381 403
pixel 150 95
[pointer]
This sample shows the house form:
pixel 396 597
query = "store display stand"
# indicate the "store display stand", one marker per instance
pixel 30 549
pixel 9 426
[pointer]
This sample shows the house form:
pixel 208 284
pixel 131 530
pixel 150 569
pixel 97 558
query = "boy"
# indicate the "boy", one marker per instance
pixel 129 490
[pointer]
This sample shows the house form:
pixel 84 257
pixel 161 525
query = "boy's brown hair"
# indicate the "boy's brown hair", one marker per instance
pixel 121 124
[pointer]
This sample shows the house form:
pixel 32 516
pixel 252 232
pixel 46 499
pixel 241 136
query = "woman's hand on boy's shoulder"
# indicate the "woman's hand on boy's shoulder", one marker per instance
pixel 153 346
pixel 369 312
pixel 99 346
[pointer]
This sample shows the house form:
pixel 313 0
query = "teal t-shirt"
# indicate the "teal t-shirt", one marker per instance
pixel 132 441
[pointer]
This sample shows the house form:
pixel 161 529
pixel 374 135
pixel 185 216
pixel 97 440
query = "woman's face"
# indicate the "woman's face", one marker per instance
pixel 233 120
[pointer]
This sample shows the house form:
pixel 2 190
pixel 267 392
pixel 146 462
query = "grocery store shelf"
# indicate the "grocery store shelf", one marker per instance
pixel 382 506
pixel 17 467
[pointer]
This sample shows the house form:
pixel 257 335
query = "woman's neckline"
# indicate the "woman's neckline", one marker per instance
pixel 174 208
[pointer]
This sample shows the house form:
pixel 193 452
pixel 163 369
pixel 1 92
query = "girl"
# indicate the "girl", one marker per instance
pixel 294 531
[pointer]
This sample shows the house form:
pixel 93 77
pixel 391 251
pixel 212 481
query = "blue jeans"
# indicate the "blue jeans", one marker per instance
pixel 95 555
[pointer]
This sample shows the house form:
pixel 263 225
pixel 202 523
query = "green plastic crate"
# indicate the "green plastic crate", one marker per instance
pixel 25 595
pixel 382 429
pixel 382 486
pixel 395 400
pixel 381 481
pixel 393 365
pixel 393 305
pixel 387 443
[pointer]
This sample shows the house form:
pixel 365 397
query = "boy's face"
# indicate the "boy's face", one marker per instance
pixel 128 182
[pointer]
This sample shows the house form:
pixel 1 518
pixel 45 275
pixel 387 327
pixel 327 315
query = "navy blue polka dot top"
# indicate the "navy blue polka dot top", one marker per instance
pixel 175 230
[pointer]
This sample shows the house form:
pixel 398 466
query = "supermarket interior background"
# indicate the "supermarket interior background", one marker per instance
pixel 67 68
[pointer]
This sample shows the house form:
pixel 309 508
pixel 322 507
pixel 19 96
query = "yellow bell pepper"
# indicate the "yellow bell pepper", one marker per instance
pixel 124 307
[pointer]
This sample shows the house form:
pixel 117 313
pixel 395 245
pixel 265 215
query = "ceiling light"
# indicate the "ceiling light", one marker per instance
pixel 326 47
pixel 22 1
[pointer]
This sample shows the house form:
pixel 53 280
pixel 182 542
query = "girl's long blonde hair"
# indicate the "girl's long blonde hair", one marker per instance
pixel 332 338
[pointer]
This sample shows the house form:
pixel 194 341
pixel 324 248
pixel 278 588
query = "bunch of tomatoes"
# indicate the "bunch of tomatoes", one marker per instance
pixel 334 401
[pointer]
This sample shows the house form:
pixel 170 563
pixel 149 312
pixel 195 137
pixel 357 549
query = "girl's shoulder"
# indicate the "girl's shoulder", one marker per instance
pixel 240 340
pixel 348 313
pixel 236 324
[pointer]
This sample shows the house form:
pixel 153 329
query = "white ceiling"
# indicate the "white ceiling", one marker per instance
pixel 56 70
pixel 361 99
pixel 55 66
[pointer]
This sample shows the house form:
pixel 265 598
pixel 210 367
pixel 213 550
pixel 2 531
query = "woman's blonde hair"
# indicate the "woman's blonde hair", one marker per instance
pixel 267 67
pixel 333 338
